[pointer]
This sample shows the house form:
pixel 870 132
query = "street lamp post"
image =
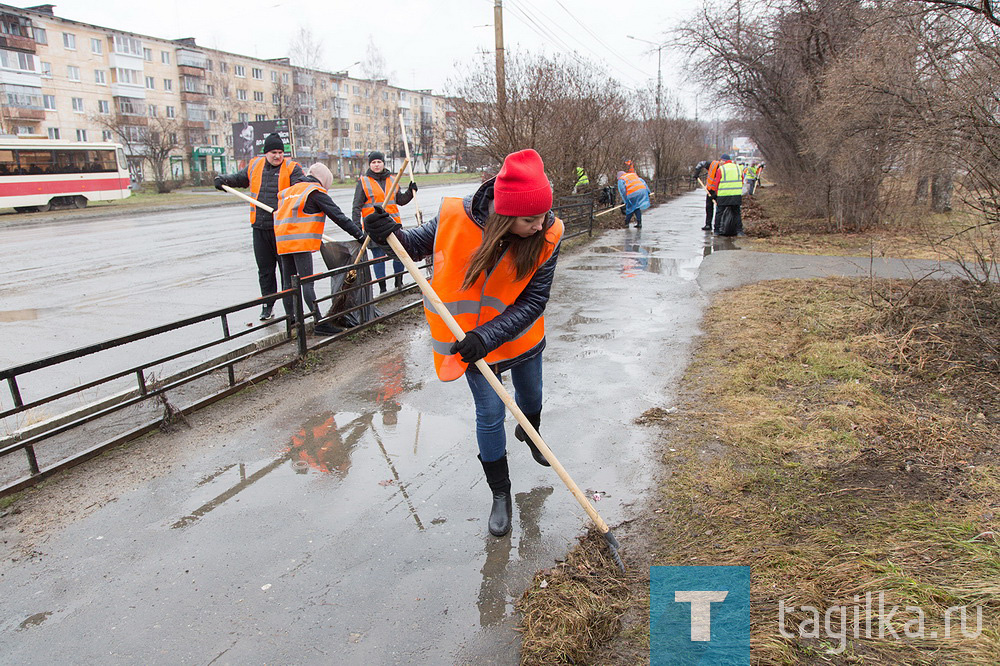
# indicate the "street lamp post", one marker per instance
pixel 659 69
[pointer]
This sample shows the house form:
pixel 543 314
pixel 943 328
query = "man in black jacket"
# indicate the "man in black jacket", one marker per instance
pixel 265 176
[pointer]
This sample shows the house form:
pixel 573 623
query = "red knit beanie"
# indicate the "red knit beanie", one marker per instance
pixel 521 188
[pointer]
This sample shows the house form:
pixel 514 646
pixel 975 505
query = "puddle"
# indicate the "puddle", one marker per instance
pixel 719 244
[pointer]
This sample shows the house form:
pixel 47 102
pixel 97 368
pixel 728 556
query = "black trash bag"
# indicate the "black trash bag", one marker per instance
pixel 335 255
pixel 729 220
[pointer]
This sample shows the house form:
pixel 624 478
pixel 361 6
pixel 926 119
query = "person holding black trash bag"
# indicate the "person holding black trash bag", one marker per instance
pixel 370 190
pixel 495 253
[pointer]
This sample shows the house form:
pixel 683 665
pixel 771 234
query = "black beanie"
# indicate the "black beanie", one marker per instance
pixel 273 142
pixel 375 155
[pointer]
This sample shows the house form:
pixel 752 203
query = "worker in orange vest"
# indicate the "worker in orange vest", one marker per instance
pixel 709 168
pixel 369 191
pixel 494 256
pixel 298 230
pixel 265 176
pixel 635 195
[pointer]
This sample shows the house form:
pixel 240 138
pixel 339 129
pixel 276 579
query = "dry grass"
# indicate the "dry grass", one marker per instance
pixel 774 225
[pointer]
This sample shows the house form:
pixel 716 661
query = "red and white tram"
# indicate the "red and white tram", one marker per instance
pixel 37 174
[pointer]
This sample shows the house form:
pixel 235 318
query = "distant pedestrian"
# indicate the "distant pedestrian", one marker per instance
pixel 369 191
pixel 582 180
pixel 727 186
pixel 709 170
pixel 495 254
pixel 265 176
pixel 298 229
pixel 750 174
pixel 635 194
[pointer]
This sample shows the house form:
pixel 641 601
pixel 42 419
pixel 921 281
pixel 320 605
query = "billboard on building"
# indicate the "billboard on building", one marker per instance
pixel 248 137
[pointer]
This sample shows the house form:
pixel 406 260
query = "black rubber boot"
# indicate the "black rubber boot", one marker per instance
pixel 398 282
pixel 498 478
pixel 535 420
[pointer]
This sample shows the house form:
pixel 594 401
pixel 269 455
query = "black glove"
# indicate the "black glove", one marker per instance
pixel 471 348
pixel 413 186
pixel 714 195
pixel 218 183
pixel 380 225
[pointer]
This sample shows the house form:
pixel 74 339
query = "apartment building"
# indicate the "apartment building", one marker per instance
pixel 71 80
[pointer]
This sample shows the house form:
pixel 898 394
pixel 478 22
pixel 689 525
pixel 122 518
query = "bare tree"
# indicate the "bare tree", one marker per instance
pixel 152 140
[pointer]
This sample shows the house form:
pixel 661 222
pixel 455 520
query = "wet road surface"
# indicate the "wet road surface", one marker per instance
pixel 70 284
pixel 341 517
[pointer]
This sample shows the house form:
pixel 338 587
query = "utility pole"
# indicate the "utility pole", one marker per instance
pixel 498 33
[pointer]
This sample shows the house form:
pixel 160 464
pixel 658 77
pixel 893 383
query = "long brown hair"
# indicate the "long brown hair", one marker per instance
pixel 497 239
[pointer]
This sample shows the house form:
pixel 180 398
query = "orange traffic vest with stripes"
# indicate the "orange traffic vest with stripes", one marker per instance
pixel 294 230
pixel 457 239
pixel 633 184
pixel 255 172
pixel 710 174
pixel 376 194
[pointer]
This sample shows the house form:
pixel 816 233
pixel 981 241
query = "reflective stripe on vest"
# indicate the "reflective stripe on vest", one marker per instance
pixel 255 172
pixel 457 239
pixel 633 184
pixel 730 184
pixel 376 194
pixel 294 230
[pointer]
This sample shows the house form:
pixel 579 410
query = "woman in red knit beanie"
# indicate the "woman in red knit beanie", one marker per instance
pixel 494 256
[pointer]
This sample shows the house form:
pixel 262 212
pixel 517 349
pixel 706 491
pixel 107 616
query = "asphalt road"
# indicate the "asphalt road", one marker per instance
pixel 68 284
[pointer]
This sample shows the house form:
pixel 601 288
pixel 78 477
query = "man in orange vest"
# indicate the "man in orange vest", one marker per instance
pixel 298 231
pixel 369 191
pixel 495 253
pixel 265 175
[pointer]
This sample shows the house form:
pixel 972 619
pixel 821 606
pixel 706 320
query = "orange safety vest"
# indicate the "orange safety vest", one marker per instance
pixel 255 172
pixel 376 194
pixel 295 230
pixel 712 168
pixel 633 184
pixel 457 238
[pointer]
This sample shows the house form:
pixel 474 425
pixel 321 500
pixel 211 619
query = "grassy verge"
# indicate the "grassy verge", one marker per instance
pixel 773 224
pixel 855 452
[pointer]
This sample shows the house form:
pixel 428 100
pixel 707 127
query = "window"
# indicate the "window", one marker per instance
pixel 147 55
pixel 357 90
pixel 78 104
pixel 357 145
pixel 96 46
pixel 261 116
pixel 131 106
pixel 81 135
pixel 212 115
pixel 241 93
pixel 150 83
pixel 165 57
pixel 258 96
pixel 106 135
pixel 128 45
pixel 69 40
pixel 152 110
pixel 173 138
pixel 274 77
pixel 170 112
pixel 168 84
pixel 99 77
pixel 49 101
pixel 368 111
pixel 210 90
pixel 385 95
pixel 215 139
pixel 42 37
pixel 16 60
pixel 53 132
pixel 47 69
pixel 103 106
pixel 357 108
pixel 208 65
pixel 242 117
pixel 240 71
pixel 284 78
pixel 275 98
pixel 223 67
pixel 357 127
pixel 257 73
pixel 73 72
pixel 129 76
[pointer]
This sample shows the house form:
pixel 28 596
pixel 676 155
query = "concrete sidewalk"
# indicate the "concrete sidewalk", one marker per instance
pixel 338 514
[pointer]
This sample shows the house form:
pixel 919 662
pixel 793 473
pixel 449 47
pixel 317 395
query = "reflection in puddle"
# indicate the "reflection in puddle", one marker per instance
pixel 719 244
pixel 244 483
pixel 494 596
pixel 320 446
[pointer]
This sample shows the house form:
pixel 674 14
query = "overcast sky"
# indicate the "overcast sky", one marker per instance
pixel 421 40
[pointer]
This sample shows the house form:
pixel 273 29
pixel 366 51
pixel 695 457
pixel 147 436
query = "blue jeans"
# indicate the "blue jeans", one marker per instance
pixel 637 214
pixel 379 268
pixel 490 410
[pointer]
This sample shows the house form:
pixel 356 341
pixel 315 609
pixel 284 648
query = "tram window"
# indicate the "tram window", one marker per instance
pixel 8 163
pixel 35 161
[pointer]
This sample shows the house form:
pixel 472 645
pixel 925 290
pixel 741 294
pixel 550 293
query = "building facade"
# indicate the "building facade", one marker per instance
pixel 70 80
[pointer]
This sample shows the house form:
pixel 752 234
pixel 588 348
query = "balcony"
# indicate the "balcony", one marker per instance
pixel 195 125
pixel 17 43
pixel 188 96
pixel 131 119
pixel 188 70
pixel 25 113
pixel 193 60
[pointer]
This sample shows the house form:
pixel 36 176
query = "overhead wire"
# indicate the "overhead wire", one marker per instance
pixel 599 40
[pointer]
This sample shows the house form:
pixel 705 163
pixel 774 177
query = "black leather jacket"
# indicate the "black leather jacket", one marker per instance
pixel 526 308
pixel 268 194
